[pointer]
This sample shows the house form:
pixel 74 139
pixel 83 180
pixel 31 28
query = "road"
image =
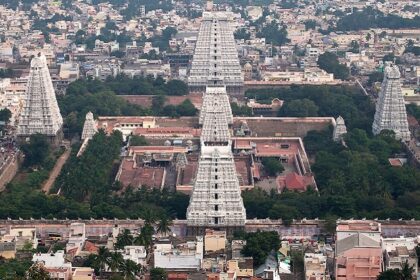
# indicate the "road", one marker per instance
pixel 56 170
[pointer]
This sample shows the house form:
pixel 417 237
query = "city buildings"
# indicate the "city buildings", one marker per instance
pixel 315 266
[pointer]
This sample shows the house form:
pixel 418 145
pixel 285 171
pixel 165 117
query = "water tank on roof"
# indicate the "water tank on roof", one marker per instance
pixel 167 143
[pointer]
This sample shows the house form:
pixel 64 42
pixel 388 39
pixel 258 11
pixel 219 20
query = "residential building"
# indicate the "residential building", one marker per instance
pixel 315 266
pixel 214 241
pixel 55 264
pixel 182 257
pixel 358 253
pixel 398 251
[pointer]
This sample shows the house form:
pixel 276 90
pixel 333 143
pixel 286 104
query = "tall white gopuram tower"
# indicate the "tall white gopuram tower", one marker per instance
pixel 216 200
pixel 40 112
pixel 390 108
pixel 216 54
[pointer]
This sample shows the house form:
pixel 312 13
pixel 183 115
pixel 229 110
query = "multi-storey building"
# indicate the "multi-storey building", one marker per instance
pixel 358 253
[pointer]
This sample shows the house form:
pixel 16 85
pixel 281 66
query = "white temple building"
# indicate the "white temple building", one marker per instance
pixel 216 54
pixel 40 113
pixel 216 199
pixel 89 127
pixel 390 108
pixel 339 129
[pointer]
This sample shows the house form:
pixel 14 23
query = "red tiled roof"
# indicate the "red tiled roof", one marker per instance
pixel 294 181
pixel 90 247
pixel 151 177
pixel 395 162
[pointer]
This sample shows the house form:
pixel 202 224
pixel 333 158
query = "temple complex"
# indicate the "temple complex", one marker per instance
pixel 390 108
pixel 216 54
pixel 40 112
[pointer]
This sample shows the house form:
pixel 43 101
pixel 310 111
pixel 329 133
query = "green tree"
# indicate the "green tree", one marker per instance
pixel 158 273
pixel 115 260
pixel 138 140
pixel 176 87
pixel 129 269
pixel 310 24
pixel 36 151
pixel 164 225
pixel 274 34
pixel 5 115
pixel 124 239
pixel 260 244
pixel 329 62
pixel 272 166
pixel 101 260
pixel 186 108
pixel 37 272
pixel 299 108
pixel 375 77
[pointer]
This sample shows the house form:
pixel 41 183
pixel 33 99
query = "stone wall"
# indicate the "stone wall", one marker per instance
pixel 9 172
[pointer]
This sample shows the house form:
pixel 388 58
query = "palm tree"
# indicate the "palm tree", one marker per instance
pixel 149 216
pixel 101 260
pixel 123 239
pixel 164 225
pixel 114 261
pixel 407 271
pixel 129 269
pixel 147 232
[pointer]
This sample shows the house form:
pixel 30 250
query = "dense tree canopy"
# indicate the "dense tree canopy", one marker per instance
pixel 329 62
pixel 332 101
pixel 259 244
pixel 36 151
pixel 5 115
pixel 274 34
pixel 370 18
pixel 90 175
pixel 299 108
pixel 272 166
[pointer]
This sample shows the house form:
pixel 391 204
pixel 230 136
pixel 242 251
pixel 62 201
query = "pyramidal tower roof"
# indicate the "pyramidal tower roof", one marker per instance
pixel 339 129
pixel 215 54
pixel 40 112
pixel 216 199
pixel 89 127
pixel 390 108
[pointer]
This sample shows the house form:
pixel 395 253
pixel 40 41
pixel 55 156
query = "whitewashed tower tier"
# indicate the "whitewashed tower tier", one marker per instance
pixel 216 200
pixel 216 55
pixel 390 108
pixel 40 112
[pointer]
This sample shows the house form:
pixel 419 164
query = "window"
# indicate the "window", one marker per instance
pixel 216 196
pixel 216 221
pixel 216 207
pixel 215 186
